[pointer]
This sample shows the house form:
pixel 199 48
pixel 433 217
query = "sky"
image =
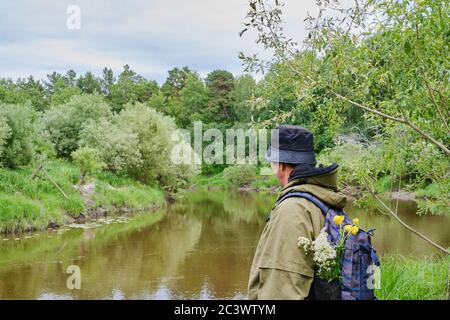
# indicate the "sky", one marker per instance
pixel 152 36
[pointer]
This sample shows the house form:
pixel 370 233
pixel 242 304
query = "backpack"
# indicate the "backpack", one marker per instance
pixel 359 256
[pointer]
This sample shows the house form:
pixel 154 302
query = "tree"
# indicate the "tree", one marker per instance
pixel 130 88
pixel 244 91
pixel 22 91
pixel 5 133
pixel 154 132
pixel 194 100
pixel 220 84
pixel 89 83
pixel 175 82
pixel 382 57
pixel 18 134
pixel 107 81
pixel 88 160
pixel 117 144
pixel 65 122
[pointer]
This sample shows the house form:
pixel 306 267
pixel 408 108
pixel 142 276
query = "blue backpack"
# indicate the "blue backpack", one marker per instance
pixel 359 256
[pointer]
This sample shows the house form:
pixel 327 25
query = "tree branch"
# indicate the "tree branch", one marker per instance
pixel 405 121
pixel 389 210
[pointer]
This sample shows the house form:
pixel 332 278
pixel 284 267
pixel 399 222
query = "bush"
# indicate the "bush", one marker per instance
pixel 117 145
pixel 355 162
pixel 154 133
pixel 239 175
pixel 88 160
pixel 17 134
pixel 65 122
pixel 401 160
pixel 5 133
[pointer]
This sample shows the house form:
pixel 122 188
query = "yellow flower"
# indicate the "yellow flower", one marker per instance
pixel 338 220
pixel 348 228
pixel 355 230
pixel 356 221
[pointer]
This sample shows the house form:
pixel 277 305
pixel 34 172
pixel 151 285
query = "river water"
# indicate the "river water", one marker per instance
pixel 201 247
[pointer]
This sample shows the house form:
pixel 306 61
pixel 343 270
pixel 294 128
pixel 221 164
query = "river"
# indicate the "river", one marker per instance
pixel 200 247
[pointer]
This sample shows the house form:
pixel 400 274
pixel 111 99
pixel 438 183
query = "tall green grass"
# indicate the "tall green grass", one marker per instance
pixel 408 278
pixel 134 196
pixel 218 181
pixel 27 203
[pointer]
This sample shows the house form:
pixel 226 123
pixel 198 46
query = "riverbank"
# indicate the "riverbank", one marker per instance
pixel 28 204
pixel 268 183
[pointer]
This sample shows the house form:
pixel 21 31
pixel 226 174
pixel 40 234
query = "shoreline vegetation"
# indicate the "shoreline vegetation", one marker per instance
pixel 32 204
pixel 28 205
pixel 268 183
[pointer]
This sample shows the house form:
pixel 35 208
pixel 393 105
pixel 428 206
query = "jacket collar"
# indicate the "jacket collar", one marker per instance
pixel 323 186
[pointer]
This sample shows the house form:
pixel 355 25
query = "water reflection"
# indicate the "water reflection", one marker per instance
pixel 199 248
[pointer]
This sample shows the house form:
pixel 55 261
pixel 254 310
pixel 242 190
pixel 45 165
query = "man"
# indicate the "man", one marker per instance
pixel 280 269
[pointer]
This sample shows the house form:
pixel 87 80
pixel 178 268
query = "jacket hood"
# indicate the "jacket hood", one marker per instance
pixel 323 186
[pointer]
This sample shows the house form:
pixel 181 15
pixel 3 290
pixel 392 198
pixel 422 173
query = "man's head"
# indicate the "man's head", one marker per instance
pixel 282 171
pixel 290 146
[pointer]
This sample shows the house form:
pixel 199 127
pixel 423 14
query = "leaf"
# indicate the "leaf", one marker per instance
pixel 242 32
pixel 407 47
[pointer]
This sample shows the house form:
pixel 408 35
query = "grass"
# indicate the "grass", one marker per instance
pixel 27 203
pixel 218 181
pixel 210 181
pixel 408 278
pixel 134 196
pixel 265 182
pixel 32 204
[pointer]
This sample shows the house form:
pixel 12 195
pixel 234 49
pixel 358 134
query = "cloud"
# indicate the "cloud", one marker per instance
pixel 151 36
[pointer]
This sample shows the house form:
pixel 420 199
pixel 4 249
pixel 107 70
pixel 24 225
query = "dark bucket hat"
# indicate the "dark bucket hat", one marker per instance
pixel 291 144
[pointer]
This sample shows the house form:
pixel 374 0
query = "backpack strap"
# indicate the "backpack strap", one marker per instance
pixel 306 195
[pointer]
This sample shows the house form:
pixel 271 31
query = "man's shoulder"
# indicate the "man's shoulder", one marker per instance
pixel 294 207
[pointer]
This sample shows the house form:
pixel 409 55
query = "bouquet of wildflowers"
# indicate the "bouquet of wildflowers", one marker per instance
pixel 327 257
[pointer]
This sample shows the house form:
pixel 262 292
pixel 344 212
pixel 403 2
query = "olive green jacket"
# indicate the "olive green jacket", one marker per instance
pixel 280 269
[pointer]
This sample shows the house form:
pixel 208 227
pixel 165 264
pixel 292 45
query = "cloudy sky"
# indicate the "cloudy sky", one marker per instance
pixel 152 36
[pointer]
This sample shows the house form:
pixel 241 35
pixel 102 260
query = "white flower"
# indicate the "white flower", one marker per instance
pixel 324 254
pixel 305 243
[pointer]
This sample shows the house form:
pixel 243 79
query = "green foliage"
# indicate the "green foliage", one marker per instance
pixel 265 182
pixel 244 91
pixel 116 143
pixel 88 160
pixel 357 163
pixel 194 99
pixel 19 213
pixel 65 122
pixel 375 68
pixel 239 175
pixel 220 84
pixel 175 82
pixel 23 91
pixel 129 88
pixel 27 203
pixel 5 133
pixel 391 164
pixel 406 278
pixel 154 134
pixel 132 196
pixel 19 135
